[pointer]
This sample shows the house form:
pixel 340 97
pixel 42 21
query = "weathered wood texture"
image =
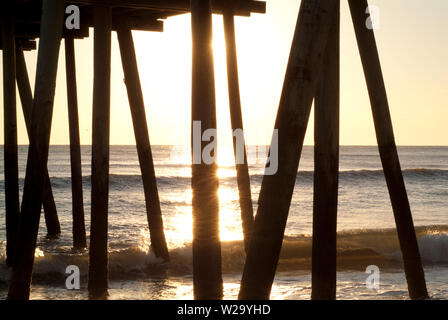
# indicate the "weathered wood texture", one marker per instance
pixel 308 47
pixel 47 60
pixel 388 151
pixel 78 223
pixel 207 278
pixel 326 167
pixel 98 260
pixel 26 98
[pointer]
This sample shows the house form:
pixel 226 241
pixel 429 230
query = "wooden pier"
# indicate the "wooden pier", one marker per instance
pixel 312 73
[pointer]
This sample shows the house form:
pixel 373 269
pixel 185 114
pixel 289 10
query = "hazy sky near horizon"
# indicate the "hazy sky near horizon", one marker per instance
pixel 413 51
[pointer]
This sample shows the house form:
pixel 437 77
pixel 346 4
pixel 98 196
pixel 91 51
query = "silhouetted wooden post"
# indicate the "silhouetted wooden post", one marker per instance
pixel 308 47
pixel 26 98
pixel 10 137
pixel 242 170
pixel 79 229
pixel 47 61
pixel 326 167
pixel 388 151
pixel 98 260
pixel 135 96
pixel 207 278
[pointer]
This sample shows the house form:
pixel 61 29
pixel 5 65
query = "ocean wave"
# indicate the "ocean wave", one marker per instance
pixel 135 180
pixel 129 180
pixel 357 249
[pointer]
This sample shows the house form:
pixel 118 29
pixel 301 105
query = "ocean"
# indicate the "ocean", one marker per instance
pixel 366 234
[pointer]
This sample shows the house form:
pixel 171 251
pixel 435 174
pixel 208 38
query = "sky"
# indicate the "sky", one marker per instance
pixel 412 47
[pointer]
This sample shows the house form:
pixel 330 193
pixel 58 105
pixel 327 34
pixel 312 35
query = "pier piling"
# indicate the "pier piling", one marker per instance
pixel 47 61
pixel 98 259
pixel 26 99
pixel 11 166
pixel 308 47
pixel 207 277
pixel 313 71
pixel 388 151
pixel 326 167
pixel 78 223
pixel 137 106
pixel 236 117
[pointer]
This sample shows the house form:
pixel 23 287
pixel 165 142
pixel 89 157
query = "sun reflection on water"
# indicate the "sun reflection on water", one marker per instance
pixel 178 227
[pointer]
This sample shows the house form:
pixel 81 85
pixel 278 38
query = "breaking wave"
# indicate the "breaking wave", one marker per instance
pixel 357 249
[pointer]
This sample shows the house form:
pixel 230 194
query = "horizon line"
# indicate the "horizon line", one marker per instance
pixel 187 145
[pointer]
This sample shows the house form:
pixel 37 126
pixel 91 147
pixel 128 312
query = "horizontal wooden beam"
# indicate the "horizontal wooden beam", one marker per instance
pixel 143 15
pixel 140 24
pixel 32 32
pixel 239 7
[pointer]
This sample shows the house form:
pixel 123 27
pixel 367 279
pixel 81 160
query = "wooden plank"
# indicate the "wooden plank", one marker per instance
pixel 32 31
pixel 144 18
pixel 47 60
pixel 136 103
pixel 218 6
pixel 207 278
pixel 388 151
pixel 140 24
pixel 98 255
pixel 308 47
pixel 26 98
pixel 242 169
pixel 11 167
pixel 326 167
pixel 78 225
